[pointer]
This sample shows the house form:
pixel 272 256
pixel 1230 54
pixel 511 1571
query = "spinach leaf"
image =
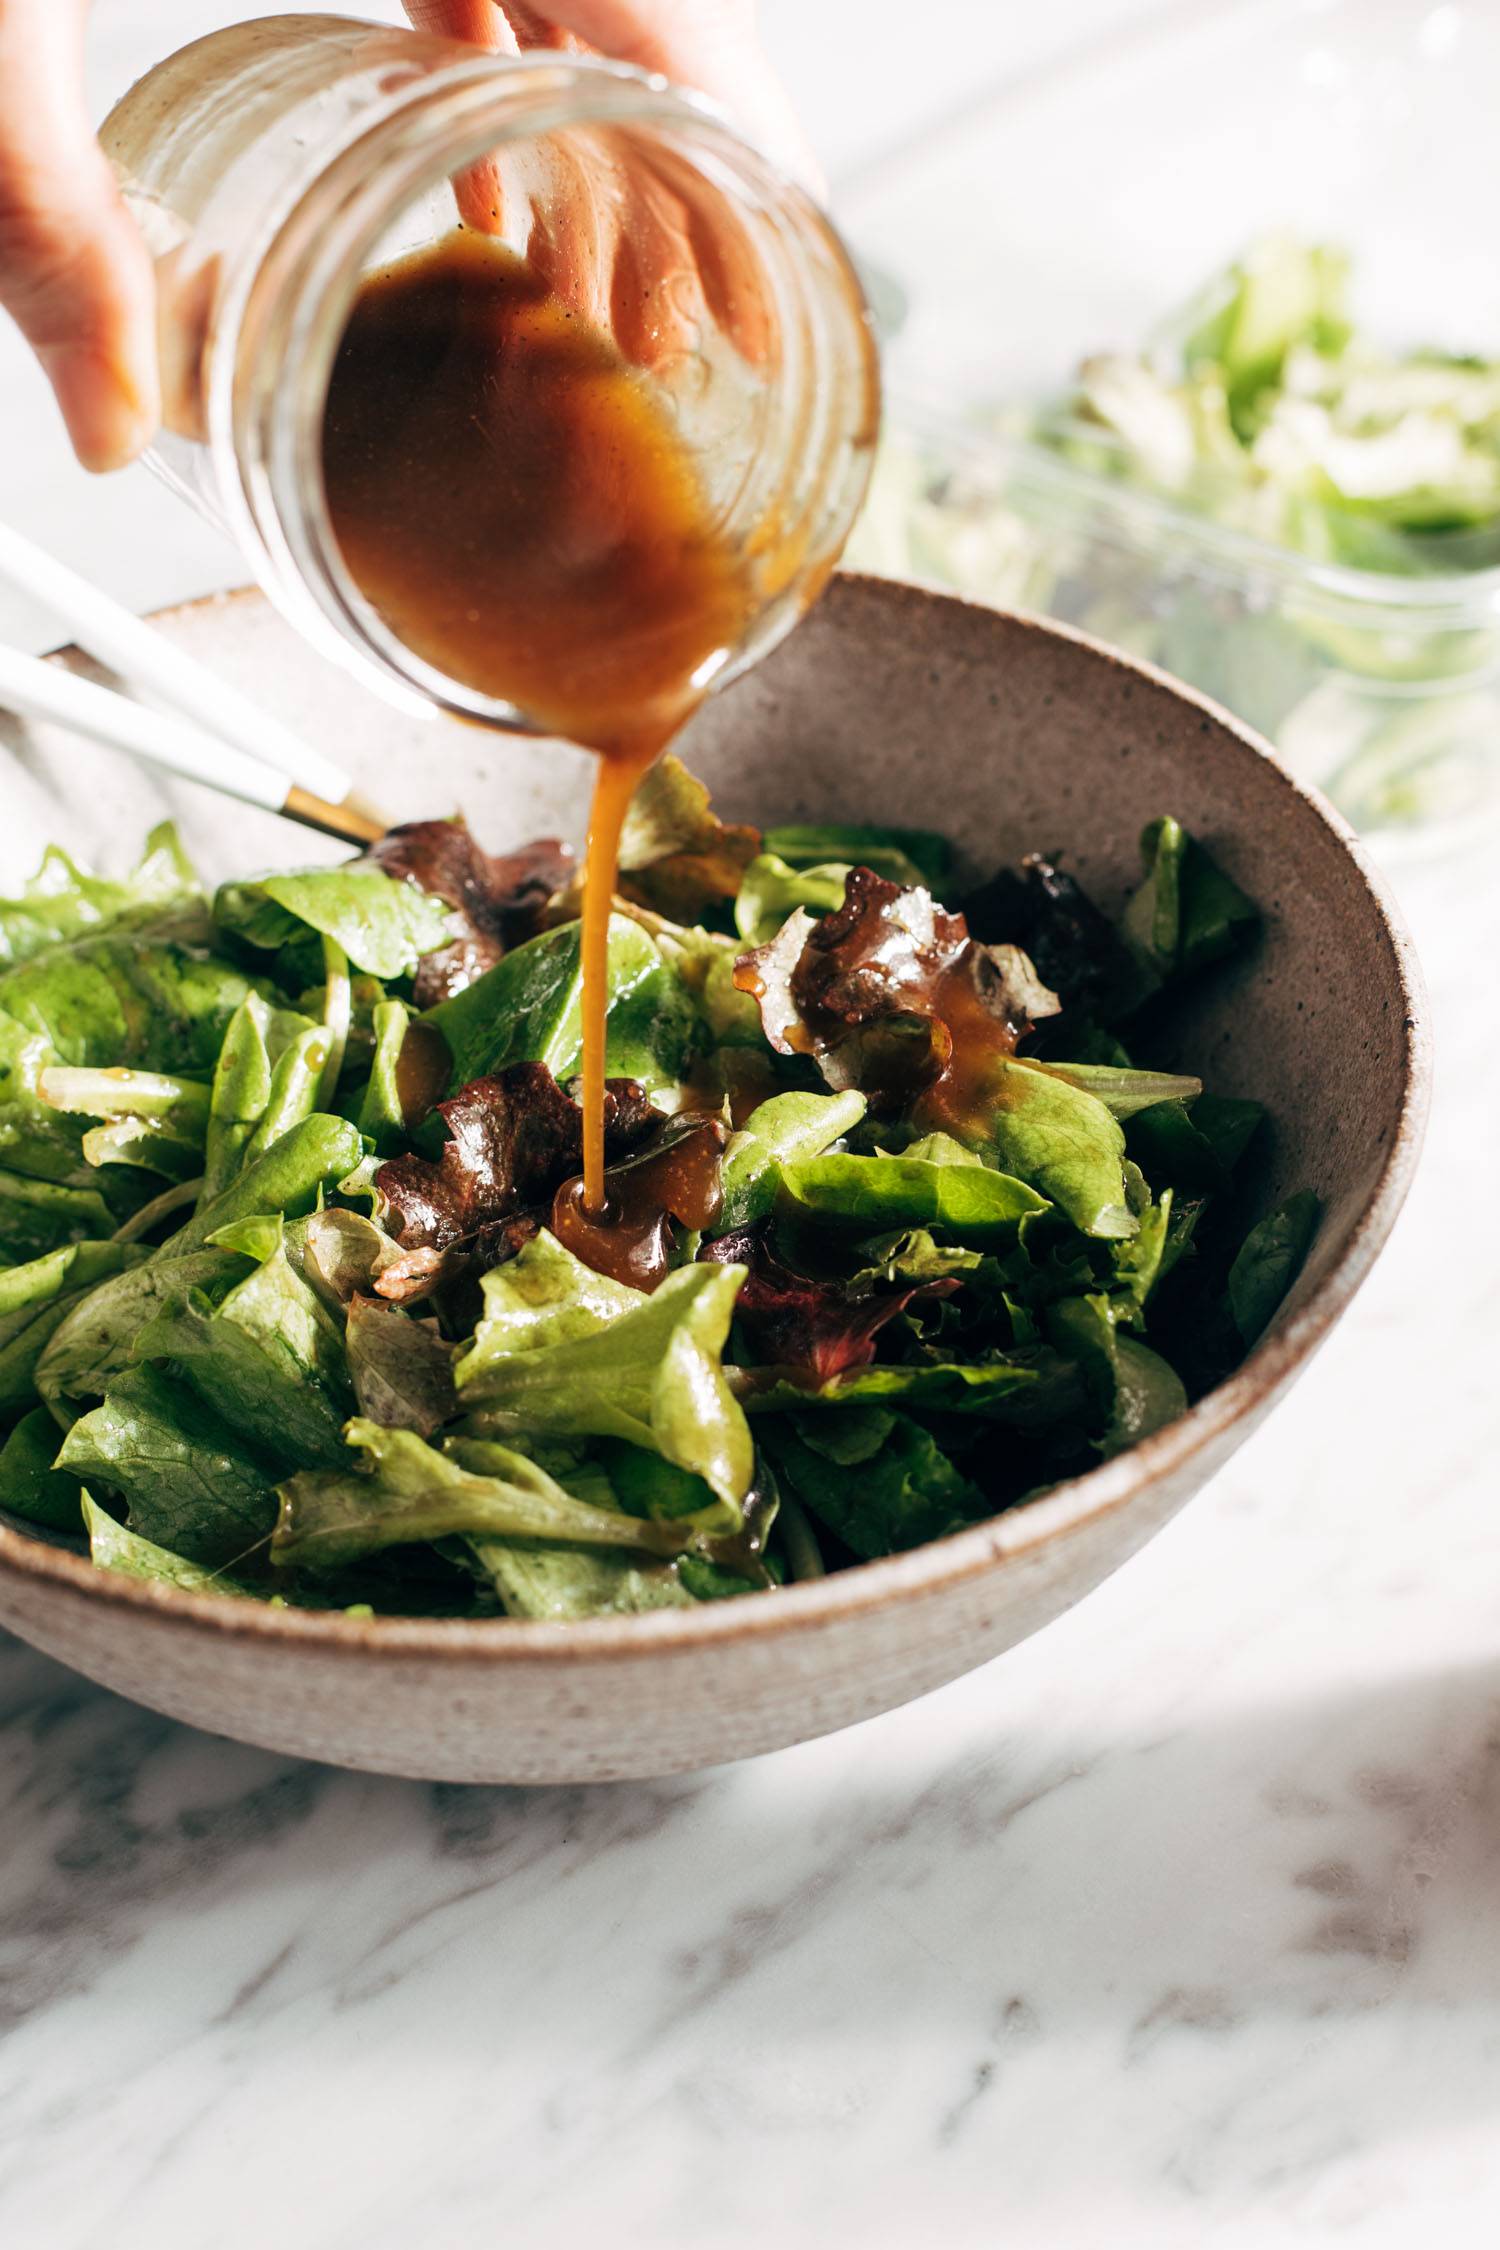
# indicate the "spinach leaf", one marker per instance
pixel 878 1480
pixel 384 926
pixel 784 1130
pixel 30 1486
pixel 1194 1147
pixel 1187 912
pixel 654 1375
pixel 400 1491
pixel 114 1548
pixel 902 855
pixel 62 901
pixel 1124 1091
pixel 528 1009
pixel 1134 1391
pixel 969 1201
pixel 190 1487
pixel 1268 1262
pixel 266 1358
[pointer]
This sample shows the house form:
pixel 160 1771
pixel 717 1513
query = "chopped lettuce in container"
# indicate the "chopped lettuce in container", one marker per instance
pixel 1301 518
pixel 295 1301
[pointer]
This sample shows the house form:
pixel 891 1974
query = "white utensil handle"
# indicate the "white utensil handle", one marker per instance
pixel 111 633
pixel 37 690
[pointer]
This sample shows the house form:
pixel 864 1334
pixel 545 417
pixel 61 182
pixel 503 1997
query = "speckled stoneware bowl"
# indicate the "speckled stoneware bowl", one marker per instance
pixel 889 704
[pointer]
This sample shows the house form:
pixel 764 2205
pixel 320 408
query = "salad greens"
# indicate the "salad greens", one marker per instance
pixel 1263 412
pixel 295 1305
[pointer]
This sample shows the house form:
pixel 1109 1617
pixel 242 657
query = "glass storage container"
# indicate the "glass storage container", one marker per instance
pixel 1068 215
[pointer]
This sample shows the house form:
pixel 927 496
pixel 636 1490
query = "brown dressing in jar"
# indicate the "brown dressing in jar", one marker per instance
pixel 515 501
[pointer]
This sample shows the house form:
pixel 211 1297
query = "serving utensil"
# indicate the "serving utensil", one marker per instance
pixel 194 724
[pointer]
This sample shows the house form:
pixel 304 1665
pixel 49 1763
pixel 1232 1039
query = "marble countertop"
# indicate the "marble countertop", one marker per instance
pixel 1180 1925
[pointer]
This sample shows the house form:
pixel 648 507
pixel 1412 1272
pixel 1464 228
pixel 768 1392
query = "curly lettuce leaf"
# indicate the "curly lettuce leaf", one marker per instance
pixel 545 1295
pixel 653 1375
pixel 771 889
pixel 902 855
pixel 557 1584
pixel 64 901
pixel 676 856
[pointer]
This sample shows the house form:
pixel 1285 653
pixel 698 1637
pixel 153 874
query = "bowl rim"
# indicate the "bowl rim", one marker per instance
pixel 1066 1508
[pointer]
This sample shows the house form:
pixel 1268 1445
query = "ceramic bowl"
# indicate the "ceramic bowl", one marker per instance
pixel 889 704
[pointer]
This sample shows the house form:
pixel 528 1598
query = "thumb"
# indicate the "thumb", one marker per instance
pixel 74 274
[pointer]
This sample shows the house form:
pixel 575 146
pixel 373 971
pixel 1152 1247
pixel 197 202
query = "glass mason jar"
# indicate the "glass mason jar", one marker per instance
pixel 271 166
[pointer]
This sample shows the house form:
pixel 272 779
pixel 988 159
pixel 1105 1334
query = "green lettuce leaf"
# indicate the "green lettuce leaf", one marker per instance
pixel 40 1215
pixel 557 1584
pixel 381 1117
pixel 1125 1091
pixel 544 1295
pixel 114 1548
pixel 30 1487
pixel 654 1376
pixel 1133 1389
pixel 969 1201
pixel 784 1130
pixel 267 1358
pixel 527 1008
pixel 399 1491
pixel 1187 912
pixel 264 1081
pixel 1269 1261
pixel 94 1342
pixel 771 890
pixel 878 1480
pixel 384 926
pixel 190 1487
pixel 1062 1141
pixel 901 855
pixel 62 901
pixel 1194 1147
pixel 149 998
pixel 35 1300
